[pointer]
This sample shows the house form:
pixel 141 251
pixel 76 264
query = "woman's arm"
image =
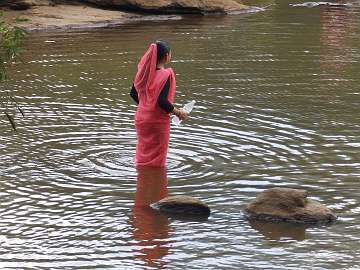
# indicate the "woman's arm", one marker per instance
pixel 134 94
pixel 167 106
pixel 163 98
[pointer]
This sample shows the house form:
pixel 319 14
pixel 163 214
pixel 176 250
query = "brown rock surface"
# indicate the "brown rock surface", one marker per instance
pixel 173 6
pixel 289 205
pixel 75 14
pixel 24 4
pixel 149 6
pixel 182 205
pixel 65 17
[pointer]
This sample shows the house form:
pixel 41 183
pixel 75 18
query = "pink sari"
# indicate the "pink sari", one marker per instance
pixel 152 123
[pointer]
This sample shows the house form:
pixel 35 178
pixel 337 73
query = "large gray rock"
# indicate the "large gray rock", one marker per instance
pixel 288 205
pixel 172 6
pixel 182 206
pixel 148 6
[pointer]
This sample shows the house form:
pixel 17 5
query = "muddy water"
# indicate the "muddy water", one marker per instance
pixel 277 105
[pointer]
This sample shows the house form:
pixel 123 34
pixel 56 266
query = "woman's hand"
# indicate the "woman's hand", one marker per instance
pixel 183 115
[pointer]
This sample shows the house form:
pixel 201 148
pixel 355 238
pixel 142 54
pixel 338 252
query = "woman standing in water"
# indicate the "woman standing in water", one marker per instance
pixel 153 90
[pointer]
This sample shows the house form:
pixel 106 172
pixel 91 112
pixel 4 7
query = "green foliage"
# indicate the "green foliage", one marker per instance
pixel 11 39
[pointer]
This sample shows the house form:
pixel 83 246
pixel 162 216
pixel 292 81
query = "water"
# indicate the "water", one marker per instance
pixel 277 105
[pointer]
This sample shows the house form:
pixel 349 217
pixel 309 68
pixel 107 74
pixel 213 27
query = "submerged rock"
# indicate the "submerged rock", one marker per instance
pixel 181 205
pixel 288 205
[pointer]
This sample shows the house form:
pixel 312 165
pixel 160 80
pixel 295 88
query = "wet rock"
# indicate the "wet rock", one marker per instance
pixel 288 205
pixel 181 205
pixel 172 6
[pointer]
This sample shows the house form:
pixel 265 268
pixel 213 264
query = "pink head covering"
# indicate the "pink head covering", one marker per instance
pixel 146 71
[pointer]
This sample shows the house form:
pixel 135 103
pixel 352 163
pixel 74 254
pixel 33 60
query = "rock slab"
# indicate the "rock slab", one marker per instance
pixel 182 205
pixel 24 4
pixel 288 205
pixel 173 6
pixel 147 6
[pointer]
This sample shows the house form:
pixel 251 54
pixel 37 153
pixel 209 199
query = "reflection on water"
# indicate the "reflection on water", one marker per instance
pixel 151 229
pixel 277 97
pixel 336 28
pixel 276 231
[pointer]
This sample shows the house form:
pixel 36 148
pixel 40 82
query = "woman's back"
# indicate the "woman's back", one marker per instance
pixel 148 109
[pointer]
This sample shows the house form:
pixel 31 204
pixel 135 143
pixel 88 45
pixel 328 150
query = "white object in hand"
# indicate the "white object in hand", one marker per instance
pixel 187 108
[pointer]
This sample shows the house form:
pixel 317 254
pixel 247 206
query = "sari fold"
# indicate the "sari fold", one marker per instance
pixel 152 123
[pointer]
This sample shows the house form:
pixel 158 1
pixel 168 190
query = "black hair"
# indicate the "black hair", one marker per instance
pixel 162 49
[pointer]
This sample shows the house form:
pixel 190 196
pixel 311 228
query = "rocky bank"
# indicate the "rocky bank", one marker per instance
pixel 67 14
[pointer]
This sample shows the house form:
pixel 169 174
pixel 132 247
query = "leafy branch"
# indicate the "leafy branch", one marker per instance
pixel 11 40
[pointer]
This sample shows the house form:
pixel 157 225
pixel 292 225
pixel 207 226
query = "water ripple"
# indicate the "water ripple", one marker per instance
pixel 276 106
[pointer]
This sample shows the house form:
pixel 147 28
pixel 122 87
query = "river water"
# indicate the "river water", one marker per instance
pixel 277 105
